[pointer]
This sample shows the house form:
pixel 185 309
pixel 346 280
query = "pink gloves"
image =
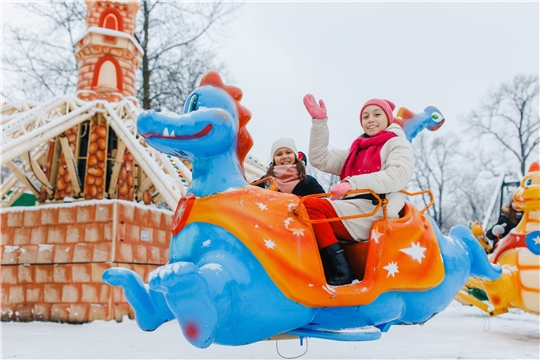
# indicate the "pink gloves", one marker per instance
pixel 340 189
pixel 317 111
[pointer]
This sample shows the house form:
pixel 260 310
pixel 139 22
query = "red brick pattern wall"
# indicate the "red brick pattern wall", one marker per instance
pixel 53 257
pixel 126 12
pixel 71 293
pixel 89 56
pixel 90 50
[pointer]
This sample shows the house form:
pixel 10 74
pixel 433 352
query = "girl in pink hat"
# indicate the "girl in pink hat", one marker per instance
pixel 289 172
pixel 381 159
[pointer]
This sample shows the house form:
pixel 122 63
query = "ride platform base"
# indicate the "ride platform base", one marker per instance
pixel 366 333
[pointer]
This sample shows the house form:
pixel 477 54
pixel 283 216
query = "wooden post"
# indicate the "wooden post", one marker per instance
pixel 38 172
pixel 116 169
pixel 71 165
pixel 22 178
pixel 143 187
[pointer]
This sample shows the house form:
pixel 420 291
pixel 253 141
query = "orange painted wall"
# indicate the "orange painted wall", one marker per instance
pixel 53 257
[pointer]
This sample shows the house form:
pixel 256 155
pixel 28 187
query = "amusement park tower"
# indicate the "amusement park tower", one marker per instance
pixel 85 192
pixel 92 186
pixel 108 55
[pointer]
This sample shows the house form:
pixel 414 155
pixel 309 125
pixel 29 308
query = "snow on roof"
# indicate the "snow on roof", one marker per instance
pixel 81 202
pixel 109 32
pixel 122 1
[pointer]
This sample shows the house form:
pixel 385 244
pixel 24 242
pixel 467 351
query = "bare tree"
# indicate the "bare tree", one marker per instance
pixel 174 58
pixel 435 169
pixel 473 190
pixel 38 61
pixel 509 115
pixel 177 39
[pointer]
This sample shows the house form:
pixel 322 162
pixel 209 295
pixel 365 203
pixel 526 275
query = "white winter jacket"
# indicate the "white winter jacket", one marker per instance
pixel 397 166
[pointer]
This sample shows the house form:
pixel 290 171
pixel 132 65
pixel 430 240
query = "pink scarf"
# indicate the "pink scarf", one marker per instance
pixel 365 155
pixel 286 177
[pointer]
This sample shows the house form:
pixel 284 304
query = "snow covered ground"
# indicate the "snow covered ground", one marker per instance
pixel 460 332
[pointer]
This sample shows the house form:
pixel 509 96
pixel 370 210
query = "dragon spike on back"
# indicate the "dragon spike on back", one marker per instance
pixel 245 141
pixel 535 167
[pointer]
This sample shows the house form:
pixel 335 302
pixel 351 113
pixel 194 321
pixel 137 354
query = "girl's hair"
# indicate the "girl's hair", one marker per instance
pixel 511 213
pixel 299 165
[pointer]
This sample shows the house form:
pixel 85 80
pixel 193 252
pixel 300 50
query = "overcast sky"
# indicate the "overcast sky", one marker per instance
pixel 446 54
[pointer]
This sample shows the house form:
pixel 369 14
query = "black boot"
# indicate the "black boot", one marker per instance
pixel 337 269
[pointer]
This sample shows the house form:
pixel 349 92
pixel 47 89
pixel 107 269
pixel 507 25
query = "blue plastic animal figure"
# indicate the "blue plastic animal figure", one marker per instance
pixel 413 123
pixel 241 270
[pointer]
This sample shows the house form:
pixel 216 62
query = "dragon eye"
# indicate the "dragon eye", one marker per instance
pixel 528 182
pixel 436 117
pixel 193 103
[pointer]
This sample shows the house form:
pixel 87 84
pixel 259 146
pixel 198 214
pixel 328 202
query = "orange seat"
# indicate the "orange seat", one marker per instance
pixel 403 254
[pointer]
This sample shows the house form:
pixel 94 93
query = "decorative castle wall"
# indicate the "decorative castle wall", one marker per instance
pixel 53 257
pixel 124 13
pixel 107 55
pixel 93 51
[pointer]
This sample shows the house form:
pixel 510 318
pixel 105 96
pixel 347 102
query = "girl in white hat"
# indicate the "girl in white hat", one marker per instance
pixel 289 172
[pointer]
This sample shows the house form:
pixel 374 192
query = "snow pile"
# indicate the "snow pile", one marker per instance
pixel 458 332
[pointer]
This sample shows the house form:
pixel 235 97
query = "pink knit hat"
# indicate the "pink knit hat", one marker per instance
pixel 386 105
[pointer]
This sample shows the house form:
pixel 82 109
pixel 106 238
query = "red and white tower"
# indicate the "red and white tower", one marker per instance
pixel 107 53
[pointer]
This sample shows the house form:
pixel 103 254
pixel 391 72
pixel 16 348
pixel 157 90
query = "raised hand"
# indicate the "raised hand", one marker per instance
pixel 317 111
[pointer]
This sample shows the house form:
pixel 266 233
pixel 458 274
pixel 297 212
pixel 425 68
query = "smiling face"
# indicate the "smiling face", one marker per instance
pixel 284 156
pixel 374 120
pixel 515 206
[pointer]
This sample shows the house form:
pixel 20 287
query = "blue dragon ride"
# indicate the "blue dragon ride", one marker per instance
pixel 244 264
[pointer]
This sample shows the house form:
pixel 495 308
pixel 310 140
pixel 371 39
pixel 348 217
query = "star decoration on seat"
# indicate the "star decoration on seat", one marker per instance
pixel 392 268
pixel 298 232
pixel 287 222
pixel 375 235
pixel 415 251
pixel 270 244
pixel 532 241
pixel 262 206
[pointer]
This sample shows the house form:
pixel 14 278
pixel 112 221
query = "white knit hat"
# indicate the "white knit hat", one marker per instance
pixel 283 143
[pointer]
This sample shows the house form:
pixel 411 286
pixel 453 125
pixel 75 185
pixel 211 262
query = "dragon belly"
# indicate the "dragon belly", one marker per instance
pixel 525 272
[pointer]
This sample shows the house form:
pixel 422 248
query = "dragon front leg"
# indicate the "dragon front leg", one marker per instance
pixel 188 296
pixel 150 307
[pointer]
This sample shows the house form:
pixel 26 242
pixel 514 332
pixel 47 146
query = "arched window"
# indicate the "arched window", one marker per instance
pixel 110 22
pixel 111 19
pixel 107 74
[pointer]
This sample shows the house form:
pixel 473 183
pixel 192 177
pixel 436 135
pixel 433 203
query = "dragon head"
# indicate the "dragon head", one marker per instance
pixel 212 122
